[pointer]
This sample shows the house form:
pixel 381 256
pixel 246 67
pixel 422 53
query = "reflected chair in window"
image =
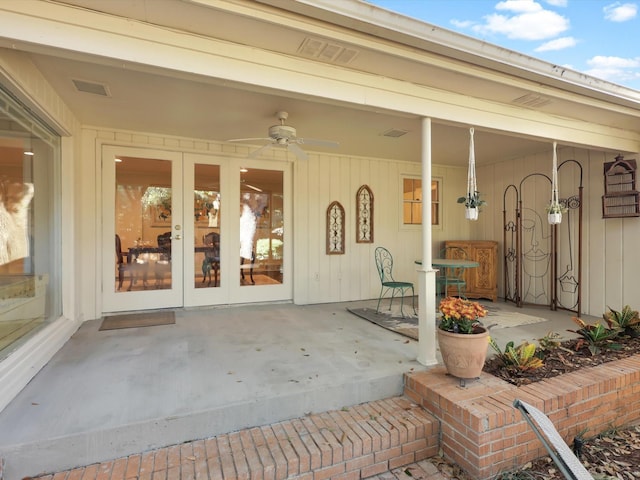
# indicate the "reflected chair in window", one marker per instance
pixel 211 262
pixel 122 266
pixel 163 260
pixel 132 266
pixel 384 264
pixel 452 276
pixel 243 267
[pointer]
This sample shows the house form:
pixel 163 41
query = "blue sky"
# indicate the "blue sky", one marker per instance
pixel 600 38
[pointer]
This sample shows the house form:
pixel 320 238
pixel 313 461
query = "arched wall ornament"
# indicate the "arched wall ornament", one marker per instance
pixel 335 229
pixel 364 215
pixel 559 278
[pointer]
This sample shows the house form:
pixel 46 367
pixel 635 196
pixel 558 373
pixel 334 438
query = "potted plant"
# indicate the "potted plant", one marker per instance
pixel 472 203
pixel 463 340
pixel 554 212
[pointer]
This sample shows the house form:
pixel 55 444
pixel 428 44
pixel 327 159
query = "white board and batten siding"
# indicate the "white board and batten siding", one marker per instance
pixel 321 278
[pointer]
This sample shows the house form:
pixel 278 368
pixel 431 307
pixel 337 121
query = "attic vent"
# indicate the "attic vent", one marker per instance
pixel 394 133
pixel 91 87
pixel 532 100
pixel 327 52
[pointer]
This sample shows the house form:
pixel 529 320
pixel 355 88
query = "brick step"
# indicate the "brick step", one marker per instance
pixel 351 443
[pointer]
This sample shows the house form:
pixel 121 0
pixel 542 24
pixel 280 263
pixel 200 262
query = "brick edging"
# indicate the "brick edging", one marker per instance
pixel 484 434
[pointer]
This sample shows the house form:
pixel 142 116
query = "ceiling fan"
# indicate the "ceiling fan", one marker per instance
pixel 285 136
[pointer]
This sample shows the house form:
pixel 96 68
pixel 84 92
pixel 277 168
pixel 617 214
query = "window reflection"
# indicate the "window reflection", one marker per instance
pixel 207 226
pixel 29 245
pixel 261 227
pixel 143 206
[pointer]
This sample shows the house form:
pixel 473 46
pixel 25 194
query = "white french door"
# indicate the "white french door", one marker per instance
pixel 142 215
pixel 183 242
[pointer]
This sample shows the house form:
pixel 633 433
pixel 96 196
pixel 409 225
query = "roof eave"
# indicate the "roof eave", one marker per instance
pixel 370 19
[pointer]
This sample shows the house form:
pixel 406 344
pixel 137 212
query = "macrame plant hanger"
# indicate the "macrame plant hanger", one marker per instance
pixel 472 203
pixel 554 214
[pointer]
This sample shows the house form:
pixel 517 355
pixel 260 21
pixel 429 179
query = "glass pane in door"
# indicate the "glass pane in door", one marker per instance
pixel 261 227
pixel 143 207
pixel 207 225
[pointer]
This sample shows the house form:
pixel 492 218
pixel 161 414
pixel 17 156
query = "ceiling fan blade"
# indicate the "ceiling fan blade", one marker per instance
pixel 298 151
pixel 249 139
pixel 316 142
pixel 261 150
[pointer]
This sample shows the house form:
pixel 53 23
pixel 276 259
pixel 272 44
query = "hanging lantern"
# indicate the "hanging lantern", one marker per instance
pixel 554 210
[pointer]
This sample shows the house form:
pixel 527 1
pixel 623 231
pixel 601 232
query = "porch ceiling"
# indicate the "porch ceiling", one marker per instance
pixel 168 102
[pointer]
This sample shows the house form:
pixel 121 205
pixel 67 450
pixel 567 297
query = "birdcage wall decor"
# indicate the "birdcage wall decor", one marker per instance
pixel 620 199
pixel 364 215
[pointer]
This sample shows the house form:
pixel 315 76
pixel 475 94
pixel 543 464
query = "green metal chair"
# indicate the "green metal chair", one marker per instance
pixel 452 276
pixel 384 263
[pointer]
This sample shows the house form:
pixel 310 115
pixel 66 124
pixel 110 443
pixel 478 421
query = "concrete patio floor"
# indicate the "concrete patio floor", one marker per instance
pixel 107 394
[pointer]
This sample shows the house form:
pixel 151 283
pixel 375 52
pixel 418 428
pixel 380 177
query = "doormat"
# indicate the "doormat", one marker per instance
pixel 135 320
pixel 408 326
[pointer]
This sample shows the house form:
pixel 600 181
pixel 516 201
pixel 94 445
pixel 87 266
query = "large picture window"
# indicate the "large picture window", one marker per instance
pixel 29 240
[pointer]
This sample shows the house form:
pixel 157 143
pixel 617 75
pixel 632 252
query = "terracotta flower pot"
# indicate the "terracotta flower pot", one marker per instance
pixel 464 354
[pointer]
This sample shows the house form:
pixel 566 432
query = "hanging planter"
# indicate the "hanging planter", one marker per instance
pixel 554 209
pixel 472 200
pixel 554 218
pixel 471 213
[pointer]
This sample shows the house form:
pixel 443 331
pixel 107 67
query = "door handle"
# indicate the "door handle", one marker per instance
pixel 177 237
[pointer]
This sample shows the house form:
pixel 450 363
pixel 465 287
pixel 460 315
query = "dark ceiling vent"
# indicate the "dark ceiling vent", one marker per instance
pixel 91 87
pixel 327 52
pixel 395 133
pixel 532 100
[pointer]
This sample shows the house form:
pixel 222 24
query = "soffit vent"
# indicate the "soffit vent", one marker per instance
pixel 395 133
pixel 327 52
pixel 532 100
pixel 91 87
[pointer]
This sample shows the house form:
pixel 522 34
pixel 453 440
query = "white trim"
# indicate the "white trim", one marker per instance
pixel 17 370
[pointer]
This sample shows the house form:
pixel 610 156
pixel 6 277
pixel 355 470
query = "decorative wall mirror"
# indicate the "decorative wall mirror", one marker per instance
pixel 364 215
pixel 335 229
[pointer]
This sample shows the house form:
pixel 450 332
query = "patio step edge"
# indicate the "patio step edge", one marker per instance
pixel 351 443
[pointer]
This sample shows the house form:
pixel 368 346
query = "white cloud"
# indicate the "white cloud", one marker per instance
pixel 557 3
pixel 614 75
pixel 519 6
pixel 532 22
pixel 461 23
pixel 620 12
pixel 600 61
pixel 557 44
pixel 614 69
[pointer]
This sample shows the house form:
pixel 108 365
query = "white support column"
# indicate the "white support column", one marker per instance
pixel 426 273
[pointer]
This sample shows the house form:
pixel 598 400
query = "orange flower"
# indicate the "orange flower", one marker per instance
pixel 459 314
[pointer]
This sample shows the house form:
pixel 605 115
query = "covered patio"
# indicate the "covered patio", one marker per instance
pixel 109 394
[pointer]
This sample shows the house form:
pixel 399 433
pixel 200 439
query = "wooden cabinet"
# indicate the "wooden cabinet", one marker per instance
pixel 482 282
